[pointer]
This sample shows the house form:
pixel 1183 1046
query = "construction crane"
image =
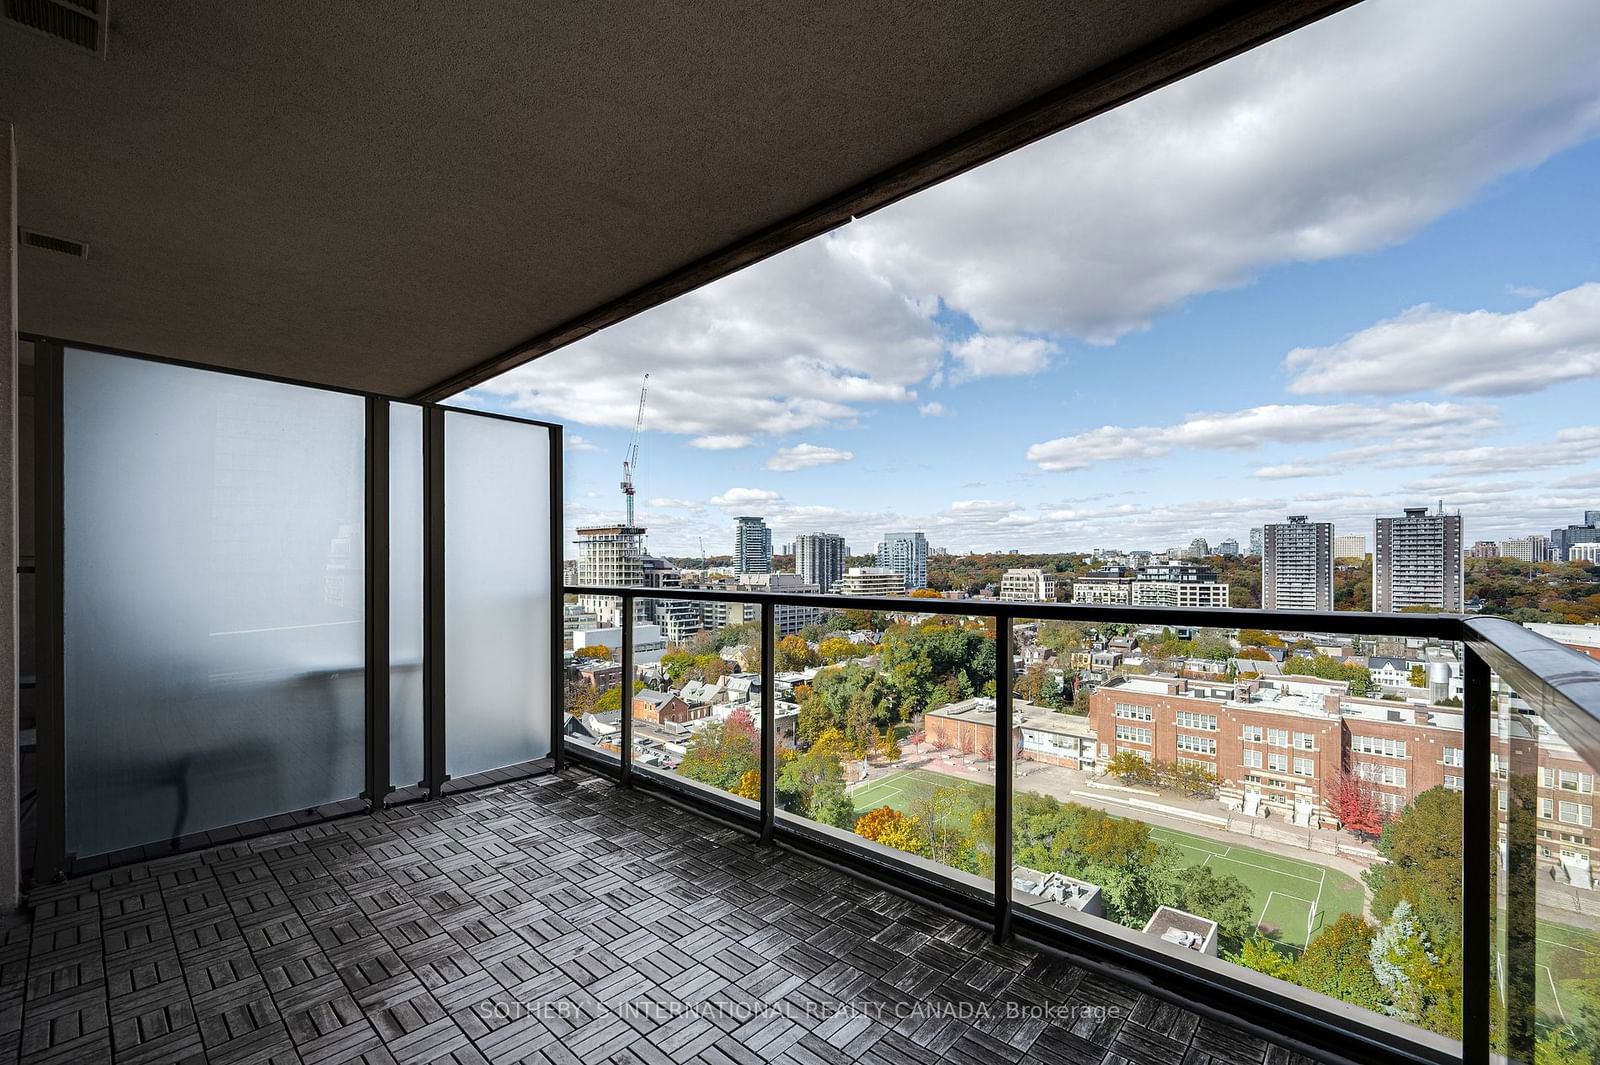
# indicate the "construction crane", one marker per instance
pixel 630 458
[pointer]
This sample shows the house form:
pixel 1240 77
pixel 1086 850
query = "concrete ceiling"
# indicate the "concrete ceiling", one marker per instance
pixel 401 198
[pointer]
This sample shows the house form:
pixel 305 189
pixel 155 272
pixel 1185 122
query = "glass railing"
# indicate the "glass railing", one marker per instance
pixel 1269 812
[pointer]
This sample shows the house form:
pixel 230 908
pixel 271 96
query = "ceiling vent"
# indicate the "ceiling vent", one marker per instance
pixel 45 242
pixel 78 22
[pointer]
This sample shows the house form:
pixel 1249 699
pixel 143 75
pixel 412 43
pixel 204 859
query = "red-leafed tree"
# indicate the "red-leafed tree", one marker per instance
pixel 1355 803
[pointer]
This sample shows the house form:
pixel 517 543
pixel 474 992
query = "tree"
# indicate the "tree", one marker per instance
pixel 1220 897
pixel 610 699
pixel 1420 984
pixel 594 653
pixel 677 664
pixel 723 752
pixel 1259 953
pixel 1131 768
pixel 860 729
pixel 1257 638
pixel 812 784
pixel 1419 677
pixel 837 649
pixel 749 786
pixel 1423 845
pixel 1193 780
pixel 890 827
pixel 1337 963
pixel 925 593
pixel 889 746
pixel 1327 668
pixel 794 654
pixel 1355 804
pixel 1254 654
pixel 1034 684
pixel 1080 701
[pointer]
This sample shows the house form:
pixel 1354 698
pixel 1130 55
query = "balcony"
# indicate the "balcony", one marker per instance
pixel 303 771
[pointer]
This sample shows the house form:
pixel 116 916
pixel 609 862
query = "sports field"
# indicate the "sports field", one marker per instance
pixel 903 790
pixel 1293 899
pixel 1567 963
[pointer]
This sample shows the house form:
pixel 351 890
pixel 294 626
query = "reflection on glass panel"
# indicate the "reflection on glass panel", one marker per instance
pixel 405 595
pixel 697 687
pixel 1288 802
pixel 886 731
pixel 1546 992
pixel 592 692
pixel 213 599
pixel 497 593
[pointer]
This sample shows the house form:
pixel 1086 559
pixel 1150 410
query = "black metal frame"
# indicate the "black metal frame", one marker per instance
pixel 51 860
pixel 376 537
pixel 433 600
pixel 50 846
pixel 1569 688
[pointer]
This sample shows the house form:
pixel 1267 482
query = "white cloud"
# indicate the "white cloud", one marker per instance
pixel 931 410
pixel 1571 447
pixel 1341 138
pixel 805 456
pixel 721 442
pixel 667 503
pixel 1461 353
pixel 1527 292
pixel 984 355
pixel 1252 427
pixel 574 442
pixel 1288 471
pixel 745 497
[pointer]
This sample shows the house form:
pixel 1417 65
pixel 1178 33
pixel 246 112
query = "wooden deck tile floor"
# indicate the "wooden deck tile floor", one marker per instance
pixel 553 920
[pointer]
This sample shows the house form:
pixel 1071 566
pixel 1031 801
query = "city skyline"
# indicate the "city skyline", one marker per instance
pixel 1407 310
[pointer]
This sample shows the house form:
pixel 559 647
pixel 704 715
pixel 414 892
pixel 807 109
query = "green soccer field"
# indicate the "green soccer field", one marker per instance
pixel 1567 971
pixel 905 789
pixel 1293 899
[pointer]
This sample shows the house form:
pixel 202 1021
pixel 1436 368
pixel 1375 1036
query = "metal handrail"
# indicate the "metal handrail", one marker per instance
pixel 1563 684
pixel 1350 622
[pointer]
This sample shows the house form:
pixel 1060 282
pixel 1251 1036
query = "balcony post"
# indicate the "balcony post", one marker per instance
pixel 769 724
pixel 378 784
pixel 50 840
pixel 1478 829
pixel 625 756
pixel 558 665
pixel 1003 761
pixel 433 591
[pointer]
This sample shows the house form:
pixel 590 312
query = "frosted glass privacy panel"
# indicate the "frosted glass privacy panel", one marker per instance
pixel 497 592
pixel 405 595
pixel 213 599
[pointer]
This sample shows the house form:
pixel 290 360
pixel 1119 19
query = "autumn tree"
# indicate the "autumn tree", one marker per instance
pixel 1355 804
pixel 723 752
pixel 837 649
pixel 594 653
pixel 1131 768
pixel 794 654
pixel 890 827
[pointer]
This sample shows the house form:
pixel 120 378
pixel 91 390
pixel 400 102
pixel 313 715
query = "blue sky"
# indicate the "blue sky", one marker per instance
pixel 1353 270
